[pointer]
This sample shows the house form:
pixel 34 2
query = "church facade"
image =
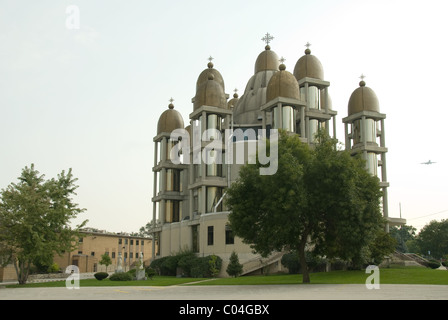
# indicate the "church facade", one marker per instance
pixel 195 163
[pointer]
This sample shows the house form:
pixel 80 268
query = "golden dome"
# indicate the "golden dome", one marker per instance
pixel 267 60
pixel 282 84
pixel 210 93
pixel 363 99
pixel 308 66
pixel 203 77
pixel 170 120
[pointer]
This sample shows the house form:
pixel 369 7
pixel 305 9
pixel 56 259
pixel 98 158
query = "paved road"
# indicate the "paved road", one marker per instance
pixel 258 292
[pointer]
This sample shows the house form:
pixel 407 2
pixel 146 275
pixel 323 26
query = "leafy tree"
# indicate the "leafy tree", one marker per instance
pixel 403 234
pixel 234 268
pixel 34 219
pixel 320 199
pixel 105 260
pixel 434 238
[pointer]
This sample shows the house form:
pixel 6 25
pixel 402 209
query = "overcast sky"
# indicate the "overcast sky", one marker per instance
pixel 90 98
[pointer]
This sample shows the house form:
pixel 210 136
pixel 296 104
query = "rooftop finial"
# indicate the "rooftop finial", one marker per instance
pixel 210 64
pixel 267 38
pixel 282 66
pixel 235 95
pixel 307 50
pixel 171 105
pixel 362 83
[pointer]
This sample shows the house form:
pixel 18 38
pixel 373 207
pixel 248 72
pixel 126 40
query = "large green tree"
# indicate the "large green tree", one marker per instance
pixel 320 199
pixel 433 239
pixel 34 219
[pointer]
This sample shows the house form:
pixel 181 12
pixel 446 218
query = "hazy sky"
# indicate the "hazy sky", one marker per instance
pixel 90 98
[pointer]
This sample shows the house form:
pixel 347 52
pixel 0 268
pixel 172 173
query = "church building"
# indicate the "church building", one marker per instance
pixel 189 212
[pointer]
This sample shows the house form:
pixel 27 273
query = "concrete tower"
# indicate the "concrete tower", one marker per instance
pixel 283 101
pixel 365 134
pixel 170 183
pixel 314 91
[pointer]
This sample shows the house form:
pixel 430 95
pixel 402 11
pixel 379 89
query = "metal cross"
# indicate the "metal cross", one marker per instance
pixel 362 76
pixel 308 45
pixel 235 90
pixel 171 100
pixel 282 60
pixel 210 58
pixel 267 38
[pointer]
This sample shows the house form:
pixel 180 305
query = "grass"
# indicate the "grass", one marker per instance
pixel 396 275
pixel 157 281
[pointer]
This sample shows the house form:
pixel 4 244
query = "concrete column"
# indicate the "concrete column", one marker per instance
pixel 347 139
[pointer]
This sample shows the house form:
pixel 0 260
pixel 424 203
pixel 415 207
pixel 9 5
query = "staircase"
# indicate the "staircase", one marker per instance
pixel 409 259
pixel 258 263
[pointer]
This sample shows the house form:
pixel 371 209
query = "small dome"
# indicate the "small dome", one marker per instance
pixel 308 66
pixel 210 93
pixel 267 60
pixel 282 84
pixel 170 120
pixel 363 99
pixel 232 102
pixel 203 77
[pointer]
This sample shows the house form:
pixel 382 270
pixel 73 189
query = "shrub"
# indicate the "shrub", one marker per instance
pixel 235 268
pixel 53 268
pixel 433 264
pixel 150 272
pixel 101 275
pixel 291 261
pixel 186 262
pixel 122 276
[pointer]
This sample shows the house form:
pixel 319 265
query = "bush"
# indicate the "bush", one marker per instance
pixel 122 276
pixel 101 275
pixel 186 262
pixel 291 261
pixel 234 268
pixel 433 264
pixel 150 272
pixel 191 265
pixel 53 268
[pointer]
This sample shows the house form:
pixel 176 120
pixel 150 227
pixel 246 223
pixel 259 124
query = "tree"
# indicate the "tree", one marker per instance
pixel 105 260
pixel 234 268
pixel 403 234
pixel 34 219
pixel 433 238
pixel 321 199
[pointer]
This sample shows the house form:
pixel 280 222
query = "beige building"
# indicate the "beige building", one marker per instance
pixel 91 246
pixel 188 207
pixel 94 243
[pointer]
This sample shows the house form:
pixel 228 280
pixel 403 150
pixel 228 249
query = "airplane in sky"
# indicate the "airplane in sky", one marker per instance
pixel 428 162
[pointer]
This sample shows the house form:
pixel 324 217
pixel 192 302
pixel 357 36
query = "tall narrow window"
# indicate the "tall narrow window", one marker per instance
pixel 230 239
pixel 195 235
pixel 210 235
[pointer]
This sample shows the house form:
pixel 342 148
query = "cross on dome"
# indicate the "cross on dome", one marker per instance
pixel 267 38
pixel 210 58
pixel 362 76
pixel 308 45
pixel 282 60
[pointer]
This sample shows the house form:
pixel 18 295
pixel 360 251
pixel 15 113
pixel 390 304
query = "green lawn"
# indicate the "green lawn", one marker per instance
pixel 408 275
pixel 398 275
pixel 157 281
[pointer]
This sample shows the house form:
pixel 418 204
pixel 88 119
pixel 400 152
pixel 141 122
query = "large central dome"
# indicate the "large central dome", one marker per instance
pixel 247 110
